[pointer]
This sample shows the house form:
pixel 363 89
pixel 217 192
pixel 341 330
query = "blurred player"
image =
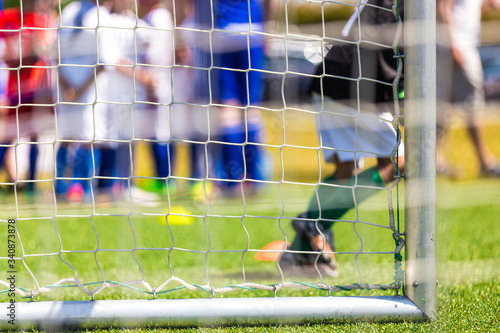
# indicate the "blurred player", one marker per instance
pixel 461 78
pixel 124 88
pixel 160 54
pixel 241 45
pixel 77 94
pixel 349 135
pixel 4 101
pixel 29 50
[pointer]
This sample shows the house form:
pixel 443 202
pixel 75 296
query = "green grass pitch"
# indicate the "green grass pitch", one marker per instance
pixel 468 254
pixel 133 241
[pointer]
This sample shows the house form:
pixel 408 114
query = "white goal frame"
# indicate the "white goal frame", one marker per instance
pixel 418 303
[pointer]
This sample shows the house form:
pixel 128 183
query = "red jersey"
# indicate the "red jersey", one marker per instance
pixel 27 50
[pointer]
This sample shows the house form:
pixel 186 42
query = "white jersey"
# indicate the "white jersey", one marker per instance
pixel 160 52
pixel 77 54
pixel 189 122
pixel 467 22
pixel 118 41
pixel 161 55
pixel 118 95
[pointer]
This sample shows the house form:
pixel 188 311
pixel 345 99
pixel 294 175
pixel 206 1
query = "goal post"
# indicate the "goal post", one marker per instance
pixel 144 260
pixel 420 157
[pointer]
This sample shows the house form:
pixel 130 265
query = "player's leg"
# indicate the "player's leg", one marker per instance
pixel 65 130
pixel 3 151
pixel 85 159
pixel 332 201
pixel 489 166
pixel 444 93
pixel 239 89
pixel 82 173
pixel 33 161
pixel 61 186
pixel 314 228
pixel 107 168
pixel 256 165
pixel 199 159
pixel 255 129
pixel 233 138
pixel 472 79
pixel 375 137
pixel 231 122
pixel 10 163
pixel 337 134
pixel 163 154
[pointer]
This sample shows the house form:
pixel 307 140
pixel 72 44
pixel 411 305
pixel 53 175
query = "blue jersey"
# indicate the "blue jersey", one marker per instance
pixel 238 11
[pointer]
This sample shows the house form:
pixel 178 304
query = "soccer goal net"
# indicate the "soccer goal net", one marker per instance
pixel 216 162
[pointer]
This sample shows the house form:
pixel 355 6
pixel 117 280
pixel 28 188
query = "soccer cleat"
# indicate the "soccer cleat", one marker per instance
pixel 318 238
pixel 75 193
pixel 324 246
pixel 493 171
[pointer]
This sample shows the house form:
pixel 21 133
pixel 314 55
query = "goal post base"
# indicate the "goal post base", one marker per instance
pixel 210 312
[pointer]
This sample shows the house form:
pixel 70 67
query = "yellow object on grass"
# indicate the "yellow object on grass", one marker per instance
pixel 177 215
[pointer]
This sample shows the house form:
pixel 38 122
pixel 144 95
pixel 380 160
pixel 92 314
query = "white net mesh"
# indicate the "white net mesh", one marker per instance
pixel 160 151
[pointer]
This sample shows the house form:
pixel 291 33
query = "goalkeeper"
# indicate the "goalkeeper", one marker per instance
pixel 348 135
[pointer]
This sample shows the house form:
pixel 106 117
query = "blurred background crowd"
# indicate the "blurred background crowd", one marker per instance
pixel 129 95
